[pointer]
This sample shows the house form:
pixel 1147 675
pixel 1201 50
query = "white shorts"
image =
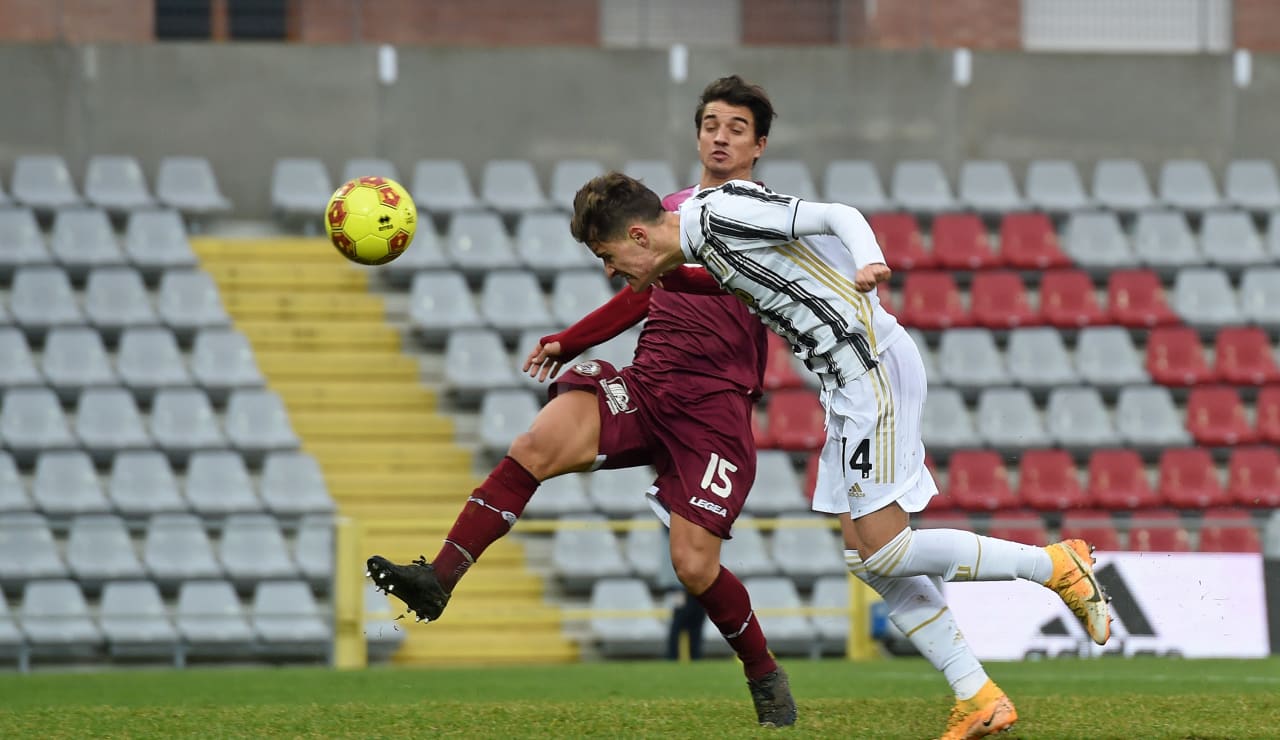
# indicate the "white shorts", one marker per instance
pixel 873 455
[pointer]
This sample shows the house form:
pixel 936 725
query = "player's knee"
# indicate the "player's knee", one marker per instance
pixel 535 453
pixel 695 568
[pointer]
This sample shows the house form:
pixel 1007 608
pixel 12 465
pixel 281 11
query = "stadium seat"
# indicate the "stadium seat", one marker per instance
pixel 58 622
pixel 931 301
pixel 211 621
pixel 945 422
pixel 82 240
pixel 960 242
pixel 1216 417
pixel 1078 420
pixel 99 550
pixel 252 549
pixel 780 371
pixel 1054 185
pixel 1252 184
pixel 646 548
pixel 583 551
pixel 188 301
pixel 116 299
pixel 796 420
pixel 978 481
pixel 108 423
pixel 1271 537
pixel 1067 300
pixel 1147 418
pixel 1158 530
pixel 1028 242
pixel 944 519
pixel 65 484
pixel 747 553
pixel 218 484
pixel 313 550
pixel 832 592
pixel 176 549
pixel 805 549
pixel 1008 420
pixel 926 355
pixel 301 187
pixel 1228 530
pixel 1038 359
pixel 1094 527
pixel 619 351
pixel 425 254
pixel 41 298
pixel 544 244
pixel 969 359
pixel 75 359
pixel 855 182
pixel 189 185
pixel 1176 358
pixel 654 173
pixel 1189 479
pixel 42 182
pixel 477 243
pixel 17 365
pixel 899 237
pixel 787 176
pixel 1135 298
pixel 921 186
pixel 1106 357
pixel 1121 185
pixel 441 303
pixel 32 422
pixel 1243 356
pixel 1268 415
pixel 357 167
pixel 142 484
pixel 999 300
pixel 575 293
pixel 619 492
pixel 1253 476
pixel 156 240
pixel 1163 242
pixel 136 623
pixel 1260 296
pixel 1118 480
pixel 1187 184
pixel 789 633
pixel 183 422
pixel 639 636
pixel 288 623
pixel 21 242
pixel 13 492
pixel 1230 240
pixel 149 360
pixel 1203 298
pixel 116 183
pixel 222 361
pixel 257 423
pixel 511 302
pixel 504 415
pixel 1095 241
pixel 511 186
pixel 777 488
pixel 442 186
pixel 567 494
pixel 476 362
pixel 28 551
pixel 568 175
pixel 1026 527
pixel 293 485
pixel 382 633
pixel 987 186
pixel 1048 480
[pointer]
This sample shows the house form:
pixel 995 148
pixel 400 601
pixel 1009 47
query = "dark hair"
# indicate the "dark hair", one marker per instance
pixel 607 204
pixel 736 91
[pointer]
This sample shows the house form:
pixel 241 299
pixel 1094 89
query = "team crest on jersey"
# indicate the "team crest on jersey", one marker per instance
pixel 591 368
pixel 617 396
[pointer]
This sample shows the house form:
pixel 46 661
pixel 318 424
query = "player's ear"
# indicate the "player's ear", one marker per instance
pixel 638 234
pixel 761 143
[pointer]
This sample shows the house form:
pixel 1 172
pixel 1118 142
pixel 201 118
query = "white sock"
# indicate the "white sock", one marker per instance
pixel 917 608
pixel 957 555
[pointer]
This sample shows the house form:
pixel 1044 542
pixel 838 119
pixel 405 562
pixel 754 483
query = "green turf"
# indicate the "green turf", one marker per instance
pixel 1110 698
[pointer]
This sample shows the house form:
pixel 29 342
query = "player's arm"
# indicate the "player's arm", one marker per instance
pixel 620 313
pixel 849 226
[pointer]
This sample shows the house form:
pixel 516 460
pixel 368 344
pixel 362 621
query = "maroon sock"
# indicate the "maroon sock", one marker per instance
pixel 729 608
pixel 489 514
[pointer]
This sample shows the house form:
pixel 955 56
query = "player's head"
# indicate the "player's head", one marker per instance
pixel 619 220
pixel 733 121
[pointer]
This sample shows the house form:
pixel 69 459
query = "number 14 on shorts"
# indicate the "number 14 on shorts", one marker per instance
pixel 860 460
pixel 716 477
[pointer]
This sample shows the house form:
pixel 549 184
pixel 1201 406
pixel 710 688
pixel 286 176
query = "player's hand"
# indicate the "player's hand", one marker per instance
pixel 870 276
pixel 543 362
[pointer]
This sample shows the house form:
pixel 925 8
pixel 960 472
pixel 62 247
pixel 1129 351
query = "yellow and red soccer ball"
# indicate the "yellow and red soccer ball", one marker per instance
pixel 371 220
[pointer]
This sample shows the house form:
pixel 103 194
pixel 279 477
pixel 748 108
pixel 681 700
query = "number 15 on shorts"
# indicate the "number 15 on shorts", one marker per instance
pixel 860 460
pixel 716 477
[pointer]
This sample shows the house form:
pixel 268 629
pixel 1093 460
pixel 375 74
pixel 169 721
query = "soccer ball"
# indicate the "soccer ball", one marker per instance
pixel 371 220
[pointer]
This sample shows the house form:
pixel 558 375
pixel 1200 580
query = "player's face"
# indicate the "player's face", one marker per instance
pixel 727 142
pixel 629 258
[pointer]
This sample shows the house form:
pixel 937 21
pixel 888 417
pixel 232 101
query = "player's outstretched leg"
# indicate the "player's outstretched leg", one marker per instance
pixel 986 713
pixel 771 693
pixel 415 584
pixel 1074 581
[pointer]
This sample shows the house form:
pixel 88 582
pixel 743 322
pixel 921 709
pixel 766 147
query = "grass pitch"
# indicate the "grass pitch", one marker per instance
pixel 1108 698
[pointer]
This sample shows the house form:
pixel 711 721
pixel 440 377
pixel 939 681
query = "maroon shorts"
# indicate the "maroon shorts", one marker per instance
pixel 702 448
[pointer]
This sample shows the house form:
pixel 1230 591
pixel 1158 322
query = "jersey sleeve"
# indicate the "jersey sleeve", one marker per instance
pixel 622 312
pixel 743 215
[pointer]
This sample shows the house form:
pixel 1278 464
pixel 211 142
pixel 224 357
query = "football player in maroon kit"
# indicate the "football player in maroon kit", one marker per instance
pixel 683 405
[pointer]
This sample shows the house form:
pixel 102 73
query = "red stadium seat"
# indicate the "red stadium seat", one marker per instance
pixel 999 300
pixel 1067 299
pixel 960 242
pixel 1019 526
pixel 1094 527
pixel 943 501
pixel 931 300
pixel 759 432
pixel 1136 299
pixel 899 237
pixel 1269 415
pixel 1028 242
pixel 1049 480
pixel 780 369
pixel 1118 480
pixel 1253 476
pixel 887 300
pixel 1175 357
pixel 1228 530
pixel 1243 356
pixel 1216 417
pixel 977 481
pixel 795 420
pixel 1158 530
pixel 1189 479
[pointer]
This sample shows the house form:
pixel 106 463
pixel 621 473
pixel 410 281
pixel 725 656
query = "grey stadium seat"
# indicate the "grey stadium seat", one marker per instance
pixel 66 485
pixel 32 421
pixel 442 186
pixel 855 182
pixel 425 253
pixel 183 422
pixel 57 620
pixel 832 592
pixel 258 423
pixel 921 185
pixel 946 422
pixel 358 167
pixel 1095 241
pixel 583 551
pixel 619 351
pixel 789 634
pixel 1252 184
pixel 511 302
pixel 149 360
pixel 108 422
pixel 563 494
pixel 156 240
pixel 969 360
pixel 381 633
pixel 568 175
pixel 576 293
pixel 806 553
pixel 511 186
pixel 1107 358
pixel 13 492
pixel 177 549
pixel 21 243
pixel 189 185
pixel 287 621
pixel 654 173
pixel 476 361
pixel 300 187
pixel 313 549
pixel 1121 185
pixel 504 414
pixel 142 484
pixel 777 487
pixel 620 492
pixel 1273 236
pixel 17 366
pixel 1204 298
pixel 926 355
pixel 1188 184
pixel 252 549
pixel 218 484
pixel 188 300
pixel 1147 418
pixel 75 358
pixel 1078 419
pixel 1038 359
pixel 99 550
pixel 212 622
pixel 41 298
pixel 1054 185
pixel 116 299
pixel 1230 240
pixel 43 182
pixel 477 242
pixel 82 239
pixel 1163 240
pixel 441 303
pixel 747 554
pixel 222 360
pixel 13 643
pixel 646 549
pixel 1009 420
pixel 1271 536
pixel 987 186
pixel 1260 296
pixel 116 183
pixel 634 636
pixel 293 485
pixel 544 243
pixel 136 623
pixel 27 550
pixel 788 176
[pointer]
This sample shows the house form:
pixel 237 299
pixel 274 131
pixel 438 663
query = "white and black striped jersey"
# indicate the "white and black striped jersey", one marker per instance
pixel 798 281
